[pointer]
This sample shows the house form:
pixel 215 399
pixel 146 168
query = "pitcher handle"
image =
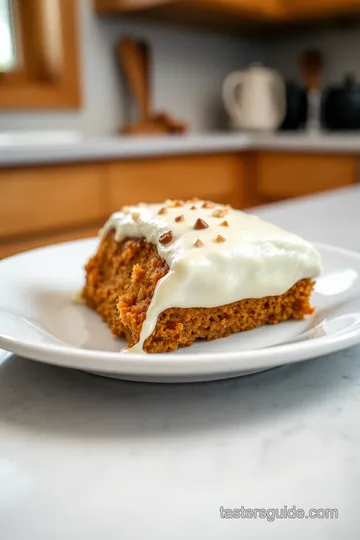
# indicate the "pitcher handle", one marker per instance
pixel 231 83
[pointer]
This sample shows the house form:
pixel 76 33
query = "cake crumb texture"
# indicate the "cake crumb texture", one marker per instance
pixel 120 282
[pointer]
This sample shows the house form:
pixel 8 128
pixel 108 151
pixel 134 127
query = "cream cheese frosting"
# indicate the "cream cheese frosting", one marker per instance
pixel 216 255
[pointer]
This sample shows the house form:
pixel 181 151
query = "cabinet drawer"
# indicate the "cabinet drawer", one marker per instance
pixel 215 177
pixel 44 198
pixel 292 175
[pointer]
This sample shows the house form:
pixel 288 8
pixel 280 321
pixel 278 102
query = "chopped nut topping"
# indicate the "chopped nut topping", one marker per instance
pixel 162 211
pixel 208 204
pixel 198 243
pixel 218 213
pixel 178 203
pixel 179 219
pixel 195 199
pixel 166 237
pixel 193 207
pixel 125 210
pixel 224 223
pixel 135 216
pixel 174 203
pixel 200 224
pixel 220 239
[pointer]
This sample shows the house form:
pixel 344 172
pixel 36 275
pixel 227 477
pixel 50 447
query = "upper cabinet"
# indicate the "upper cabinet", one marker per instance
pixel 230 13
pixel 208 13
pixel 315 9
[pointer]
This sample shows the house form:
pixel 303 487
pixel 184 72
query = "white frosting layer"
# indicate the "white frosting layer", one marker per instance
pixel 256 258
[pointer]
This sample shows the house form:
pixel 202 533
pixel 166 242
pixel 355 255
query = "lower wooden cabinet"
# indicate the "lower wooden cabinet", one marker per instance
pixel 218 177
pixel 36 199
pixel 48 204
pixel 281 176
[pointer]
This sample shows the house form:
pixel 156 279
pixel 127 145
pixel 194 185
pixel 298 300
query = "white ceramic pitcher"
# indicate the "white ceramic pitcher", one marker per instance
pixel 255 98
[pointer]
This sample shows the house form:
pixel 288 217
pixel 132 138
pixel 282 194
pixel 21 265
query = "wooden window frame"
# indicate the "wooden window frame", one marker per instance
pixel 47 74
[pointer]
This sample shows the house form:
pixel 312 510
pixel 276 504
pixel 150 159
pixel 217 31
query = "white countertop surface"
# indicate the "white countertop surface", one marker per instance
pixel 87 458
pixel 57 147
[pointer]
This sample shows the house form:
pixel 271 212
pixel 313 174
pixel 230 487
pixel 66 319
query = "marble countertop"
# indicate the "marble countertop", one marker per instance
pixel 57 147
pixel 83 457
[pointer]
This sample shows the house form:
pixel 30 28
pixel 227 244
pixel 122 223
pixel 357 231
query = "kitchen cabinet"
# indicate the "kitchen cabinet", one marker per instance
pixel 281 175
pixel 49 204
pixel 229 14
pixel 310 9
pixel 47 198
pixel 208 13
pixel 251 8
pixel 41 205
pixel 217 177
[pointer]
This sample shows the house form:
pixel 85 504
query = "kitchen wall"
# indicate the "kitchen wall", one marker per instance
pixel 188 69
pixel 340 49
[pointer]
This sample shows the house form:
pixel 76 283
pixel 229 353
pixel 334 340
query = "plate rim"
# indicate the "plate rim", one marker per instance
pixel 138 362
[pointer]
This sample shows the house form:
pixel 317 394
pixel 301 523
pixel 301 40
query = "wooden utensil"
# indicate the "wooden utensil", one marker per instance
pixel 311 66
pixel 134 58
pixel 132 61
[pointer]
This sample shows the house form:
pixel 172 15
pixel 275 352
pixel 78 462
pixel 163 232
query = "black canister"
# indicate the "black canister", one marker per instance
pixel 341 106
pixel 296 107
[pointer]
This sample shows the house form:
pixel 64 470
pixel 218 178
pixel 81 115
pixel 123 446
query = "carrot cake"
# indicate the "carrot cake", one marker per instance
pixel 167 274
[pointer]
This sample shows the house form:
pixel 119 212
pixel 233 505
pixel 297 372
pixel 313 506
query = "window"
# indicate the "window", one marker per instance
pixel 38 54
pixel 7 42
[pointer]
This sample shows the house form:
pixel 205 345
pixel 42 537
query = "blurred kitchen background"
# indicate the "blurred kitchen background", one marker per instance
pixel 108 102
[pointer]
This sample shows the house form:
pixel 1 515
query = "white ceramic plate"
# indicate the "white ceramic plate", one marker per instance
pixel 38 320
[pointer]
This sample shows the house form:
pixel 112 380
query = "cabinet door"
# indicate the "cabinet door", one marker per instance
pixel 214 177
pixel 281 175
pixel 308 9
pixel 36 199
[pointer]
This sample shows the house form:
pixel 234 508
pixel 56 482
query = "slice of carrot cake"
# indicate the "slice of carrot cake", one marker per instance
pixel 167 274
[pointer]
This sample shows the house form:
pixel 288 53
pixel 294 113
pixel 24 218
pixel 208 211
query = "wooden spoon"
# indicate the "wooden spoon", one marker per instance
pixel 311 65
pixel 135 61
